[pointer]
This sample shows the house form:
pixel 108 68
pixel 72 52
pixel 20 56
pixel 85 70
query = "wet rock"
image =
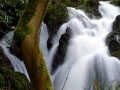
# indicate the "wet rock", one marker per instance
pixel 4 61
pixel 113 39
pixel 116 25
pixel 61 51
pixel 116 2
pixel 49 42
pixel 15 51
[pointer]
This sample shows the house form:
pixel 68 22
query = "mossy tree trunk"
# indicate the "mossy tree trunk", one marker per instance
pixel 26 37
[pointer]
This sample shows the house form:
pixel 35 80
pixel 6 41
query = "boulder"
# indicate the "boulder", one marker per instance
pixel 113 39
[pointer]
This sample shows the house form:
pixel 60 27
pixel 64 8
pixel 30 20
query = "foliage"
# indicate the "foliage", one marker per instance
pixel 10 11
pixel 23 29
pixel 26 38
pixel 56 15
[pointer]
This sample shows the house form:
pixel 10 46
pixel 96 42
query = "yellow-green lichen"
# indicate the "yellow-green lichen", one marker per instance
pixel 48 84
pixel 42 68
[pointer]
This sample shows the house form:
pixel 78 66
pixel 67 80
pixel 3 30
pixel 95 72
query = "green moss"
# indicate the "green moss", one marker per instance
pixel 55 16
pixel 29 12
pixel 13 80
pixel 116 53
pixel 42 68
pixel 117 2
pixel 48 84
pixel 22 30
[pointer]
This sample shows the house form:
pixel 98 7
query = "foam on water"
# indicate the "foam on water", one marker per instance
pixel 87 56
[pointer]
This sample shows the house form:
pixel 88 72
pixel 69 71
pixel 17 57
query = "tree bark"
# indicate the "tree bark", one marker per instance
pixel 26 37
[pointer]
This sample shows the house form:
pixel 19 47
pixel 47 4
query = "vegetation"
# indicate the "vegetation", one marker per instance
pixel 30 12
pixel 26 38
pixel 10 12
pixel 10 80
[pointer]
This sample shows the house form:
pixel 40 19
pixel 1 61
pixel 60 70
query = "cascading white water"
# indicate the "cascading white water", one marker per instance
pixel 43 43
pixel 87 56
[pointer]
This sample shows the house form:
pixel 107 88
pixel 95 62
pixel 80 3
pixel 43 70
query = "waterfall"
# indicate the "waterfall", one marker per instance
pixel 43 43
pixel 87 57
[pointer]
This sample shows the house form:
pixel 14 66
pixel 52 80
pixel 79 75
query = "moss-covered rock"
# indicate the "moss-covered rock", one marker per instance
pixel 11 80
pixel 116 2
pixel 113 39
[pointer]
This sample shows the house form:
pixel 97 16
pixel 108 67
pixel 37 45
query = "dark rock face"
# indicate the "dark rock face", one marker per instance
pixel 15 51
pixel 116 2
pixel 113 39
pixel 4 61
pixel 116 25
pixel 61 51
pixel 49 42
pixel 56 15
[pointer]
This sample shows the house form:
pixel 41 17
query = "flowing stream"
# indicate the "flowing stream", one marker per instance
pixel 87 59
